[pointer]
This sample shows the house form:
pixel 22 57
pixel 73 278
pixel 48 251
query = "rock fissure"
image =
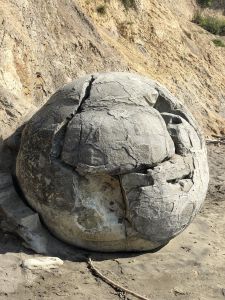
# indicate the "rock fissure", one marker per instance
pixel 125 202
pixel 60 134
pixel 167 104
pixel 176 180
pixel 86 95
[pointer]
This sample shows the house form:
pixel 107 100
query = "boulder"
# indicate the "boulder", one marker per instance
pixel 113 162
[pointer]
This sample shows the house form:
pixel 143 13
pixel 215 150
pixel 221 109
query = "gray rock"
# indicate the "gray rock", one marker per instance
pixel 113 162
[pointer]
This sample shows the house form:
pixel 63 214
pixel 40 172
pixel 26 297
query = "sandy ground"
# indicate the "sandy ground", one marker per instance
pixel 192 266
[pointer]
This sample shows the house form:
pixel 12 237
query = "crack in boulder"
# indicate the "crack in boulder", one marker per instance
pixel 60 133
pixel 86 95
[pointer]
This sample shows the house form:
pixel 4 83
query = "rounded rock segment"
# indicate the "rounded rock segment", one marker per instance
pixel 113 162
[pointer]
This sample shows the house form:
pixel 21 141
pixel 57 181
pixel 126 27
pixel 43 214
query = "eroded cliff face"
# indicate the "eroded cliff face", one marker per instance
pixel 45 44
pixel 159 40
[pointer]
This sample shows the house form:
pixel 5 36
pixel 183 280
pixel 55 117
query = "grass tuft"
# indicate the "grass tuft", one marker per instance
pixel 129 4
pixel 218 43
pixel 205 3
pixel 101 9
pixel 212 24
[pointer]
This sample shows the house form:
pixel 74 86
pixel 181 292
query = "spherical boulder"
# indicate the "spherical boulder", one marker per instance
pixel 113 162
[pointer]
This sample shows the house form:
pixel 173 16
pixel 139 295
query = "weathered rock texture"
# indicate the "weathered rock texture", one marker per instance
pixel 113 162
pixel 17 217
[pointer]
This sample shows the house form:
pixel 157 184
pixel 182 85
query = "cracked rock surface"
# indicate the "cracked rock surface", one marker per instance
pixel 113 162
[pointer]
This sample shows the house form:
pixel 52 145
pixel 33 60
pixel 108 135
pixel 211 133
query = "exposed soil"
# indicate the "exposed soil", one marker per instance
pixel 190 267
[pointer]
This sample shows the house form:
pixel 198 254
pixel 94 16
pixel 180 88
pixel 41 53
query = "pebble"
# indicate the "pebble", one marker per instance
pixel 42 263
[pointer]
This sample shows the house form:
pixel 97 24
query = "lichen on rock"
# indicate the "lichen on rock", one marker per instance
pixel 113 162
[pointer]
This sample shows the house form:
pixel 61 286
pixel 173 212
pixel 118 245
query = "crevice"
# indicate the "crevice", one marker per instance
pixel 176 180
pixel 164 105
pixel 180 114
pixel 20 192
pixel 86 95
pixel 144 169
pixel 60 133
pixel 179 148
pixel 130 155
pixel 141 169
pixel 58 139
pixel 80 138
pixel 125 201
pixel 171 119
pixel 123 195
pixel 173 128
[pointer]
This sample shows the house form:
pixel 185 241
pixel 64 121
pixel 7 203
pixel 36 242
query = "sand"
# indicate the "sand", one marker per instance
pixel 192 266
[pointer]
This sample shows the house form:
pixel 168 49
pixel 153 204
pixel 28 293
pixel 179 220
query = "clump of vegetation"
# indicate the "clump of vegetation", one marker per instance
pixel 218 43
pixel 129 4
pixel 205 3
pixel 212 24
pixel 101 9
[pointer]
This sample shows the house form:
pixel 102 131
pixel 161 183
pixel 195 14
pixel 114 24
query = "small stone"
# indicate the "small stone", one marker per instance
pixel 178 291
pixel 42 263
